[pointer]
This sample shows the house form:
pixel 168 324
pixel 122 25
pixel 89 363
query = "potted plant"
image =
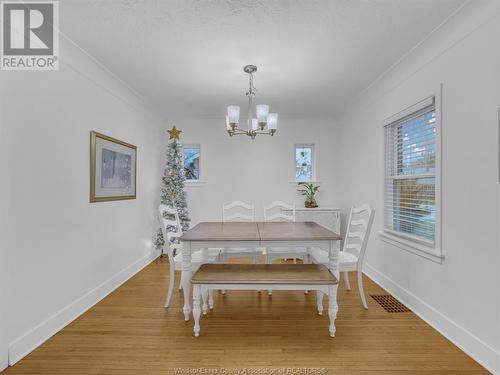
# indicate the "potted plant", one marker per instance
pixel 309 191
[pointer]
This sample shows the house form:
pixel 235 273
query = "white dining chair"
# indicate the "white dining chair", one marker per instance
pixel 279 211
pixel 239 211
pixel 171 229
pixel 284 212
pixel 352 256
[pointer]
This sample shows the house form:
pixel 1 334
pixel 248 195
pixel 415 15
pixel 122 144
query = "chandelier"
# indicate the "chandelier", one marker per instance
pixel 264 123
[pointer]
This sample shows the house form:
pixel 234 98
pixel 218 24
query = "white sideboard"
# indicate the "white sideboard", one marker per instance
pixel 329 217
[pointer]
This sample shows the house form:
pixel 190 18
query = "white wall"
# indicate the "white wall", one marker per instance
pixel 459 297
pixel 66 253
pixel 258 171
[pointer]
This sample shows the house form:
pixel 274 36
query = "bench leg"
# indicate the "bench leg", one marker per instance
pixel 319 301
pixel 333 308
pixel 196 309
pixel 186 291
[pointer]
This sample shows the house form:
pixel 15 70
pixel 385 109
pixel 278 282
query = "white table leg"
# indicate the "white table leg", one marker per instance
pixel 211 299
pixel 204 297
pixel 196 309
pixel 333 264
pixel 307 260
pixel 269 260
pixel 319 301
pixel 186 278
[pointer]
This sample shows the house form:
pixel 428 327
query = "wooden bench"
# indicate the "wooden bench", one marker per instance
pixel 263 276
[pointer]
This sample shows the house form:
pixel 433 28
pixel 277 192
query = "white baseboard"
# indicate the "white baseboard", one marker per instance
pixel 481 352
pixel 23 345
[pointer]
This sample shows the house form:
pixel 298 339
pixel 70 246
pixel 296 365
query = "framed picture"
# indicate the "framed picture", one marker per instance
pixel 113 166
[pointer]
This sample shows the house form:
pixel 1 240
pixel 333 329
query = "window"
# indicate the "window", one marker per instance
pixel 410 207
pixel 304 163
pixel 192 162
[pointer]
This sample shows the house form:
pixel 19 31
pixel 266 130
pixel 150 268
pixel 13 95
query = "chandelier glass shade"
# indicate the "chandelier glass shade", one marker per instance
pixel 262 123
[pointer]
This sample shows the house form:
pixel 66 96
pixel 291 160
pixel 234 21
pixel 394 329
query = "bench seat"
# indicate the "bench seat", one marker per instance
pixel 264 274
pixel 254 276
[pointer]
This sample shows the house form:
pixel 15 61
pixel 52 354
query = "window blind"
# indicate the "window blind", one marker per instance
pixel 410 175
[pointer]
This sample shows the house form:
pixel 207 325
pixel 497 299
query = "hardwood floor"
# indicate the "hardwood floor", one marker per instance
pixel 130 332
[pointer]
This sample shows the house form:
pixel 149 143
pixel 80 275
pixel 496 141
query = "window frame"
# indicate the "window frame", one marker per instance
pixel 200 166
pixel 314 178
pixel 428 249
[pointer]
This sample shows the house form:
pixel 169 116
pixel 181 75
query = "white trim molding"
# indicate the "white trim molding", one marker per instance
pixel 307 182
pixel 412 247
pixel 432 251
pixel 477 349
pixel 28 342
pixel 410 110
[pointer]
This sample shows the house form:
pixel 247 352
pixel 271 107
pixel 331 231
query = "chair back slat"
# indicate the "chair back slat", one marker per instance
pixel 238 217
pixel 238 211
pixel 235 204
pixel 359 235
pixel 358 230
pixel 279 211
pixel 361 209
pixel 359 222
pixel 356 247
pixel 170 228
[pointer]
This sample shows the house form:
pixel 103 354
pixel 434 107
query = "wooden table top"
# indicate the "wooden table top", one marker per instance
pixel 298 231
pixel 264 274
pixel 222 232
pixel 284 231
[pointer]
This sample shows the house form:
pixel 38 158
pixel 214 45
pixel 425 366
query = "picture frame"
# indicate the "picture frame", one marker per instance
pixel 113 169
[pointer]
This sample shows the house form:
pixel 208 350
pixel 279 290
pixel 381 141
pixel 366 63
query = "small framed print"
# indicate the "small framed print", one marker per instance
pixel 113 165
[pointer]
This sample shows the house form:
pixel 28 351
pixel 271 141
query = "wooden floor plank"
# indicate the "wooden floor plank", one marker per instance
pixel 130 332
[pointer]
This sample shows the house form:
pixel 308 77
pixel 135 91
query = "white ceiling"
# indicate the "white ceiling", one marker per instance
pixel 185 57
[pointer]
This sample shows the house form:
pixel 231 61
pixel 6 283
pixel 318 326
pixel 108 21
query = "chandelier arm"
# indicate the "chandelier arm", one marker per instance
pixel 238 131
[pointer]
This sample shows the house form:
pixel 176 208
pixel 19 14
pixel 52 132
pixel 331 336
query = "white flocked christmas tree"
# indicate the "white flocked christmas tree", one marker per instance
pixel 172 187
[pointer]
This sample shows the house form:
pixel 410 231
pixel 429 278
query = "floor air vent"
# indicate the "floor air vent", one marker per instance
pixel 389 303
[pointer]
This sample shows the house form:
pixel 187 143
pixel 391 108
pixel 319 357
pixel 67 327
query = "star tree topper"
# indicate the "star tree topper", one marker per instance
pixel 174 133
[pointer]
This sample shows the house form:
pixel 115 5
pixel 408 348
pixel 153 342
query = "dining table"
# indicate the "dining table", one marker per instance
pixel 234 235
